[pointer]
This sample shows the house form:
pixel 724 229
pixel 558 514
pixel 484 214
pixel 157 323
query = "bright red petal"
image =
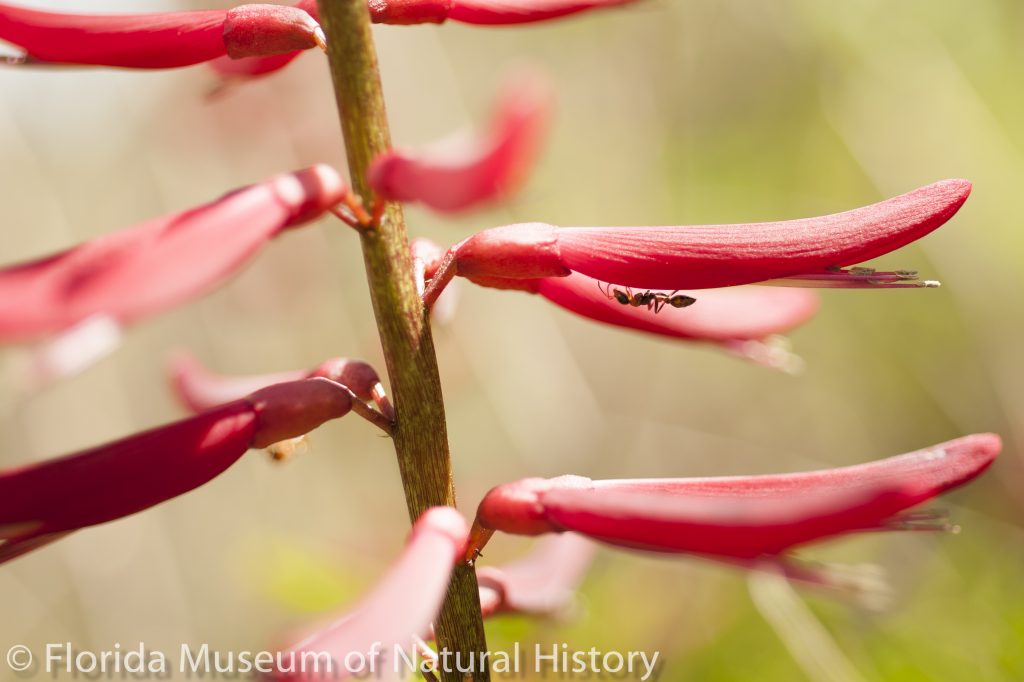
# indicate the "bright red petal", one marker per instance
pixel 126 476
pixel 704 256
pixel 144 270
pixel 466 171
pixel 40 501
pixel 157 40
pixel 400 608
pixel 737 518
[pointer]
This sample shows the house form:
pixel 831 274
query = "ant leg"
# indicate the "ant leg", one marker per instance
pixel 634 299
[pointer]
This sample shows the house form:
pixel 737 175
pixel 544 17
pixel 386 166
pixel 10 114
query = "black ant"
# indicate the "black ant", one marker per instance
pixel 653 300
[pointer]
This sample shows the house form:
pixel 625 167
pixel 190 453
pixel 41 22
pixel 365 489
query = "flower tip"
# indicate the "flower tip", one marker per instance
pixel 310 191
pixel 961 187
pixel 951 194
pixel 985 447
pixel 444 521
pixel 949 465
pixel 319 38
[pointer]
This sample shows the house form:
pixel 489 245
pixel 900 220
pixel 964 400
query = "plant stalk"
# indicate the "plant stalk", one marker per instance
pixel 420 434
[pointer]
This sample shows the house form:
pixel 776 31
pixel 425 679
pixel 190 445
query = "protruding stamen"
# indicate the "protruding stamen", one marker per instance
pixel 924 519
pixel 856 278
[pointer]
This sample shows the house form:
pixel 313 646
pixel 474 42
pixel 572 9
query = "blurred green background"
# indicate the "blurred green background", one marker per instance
pixel 677 112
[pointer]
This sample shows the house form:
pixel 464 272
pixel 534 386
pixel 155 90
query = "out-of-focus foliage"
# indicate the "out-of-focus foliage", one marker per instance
pixel 669 112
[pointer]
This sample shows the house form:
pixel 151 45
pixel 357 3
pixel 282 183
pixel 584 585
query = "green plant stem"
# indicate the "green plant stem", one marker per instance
pixel 420 434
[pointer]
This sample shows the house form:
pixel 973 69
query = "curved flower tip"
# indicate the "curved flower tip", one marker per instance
pixel 200 389
pixel 481 12
pixel 161 263
pixel 40 502
pixel 736 518
pixel 395 614
pixel 743 320
pixel 158 40
pixel 468 170
pixel 542 583
pixel 710 256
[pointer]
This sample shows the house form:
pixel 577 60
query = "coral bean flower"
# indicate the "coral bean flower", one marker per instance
pixel 745 321
pixel 200 389
pixel 467 170
pixel 158 40
pixel 709 256
pixel 40 503
pixel 396 613
pixel 739 519
pixel 161 263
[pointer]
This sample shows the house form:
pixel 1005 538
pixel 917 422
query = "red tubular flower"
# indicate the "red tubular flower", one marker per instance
pixel 709 256
pixel 739 518
pixel 396 613
pixel 463 172
pixel 199 389
pixel 543 583
pixel 158 40
pixel 42 502
pixel 143 270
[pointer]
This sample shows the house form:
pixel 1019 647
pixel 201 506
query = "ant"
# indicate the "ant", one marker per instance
pixel 653 300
